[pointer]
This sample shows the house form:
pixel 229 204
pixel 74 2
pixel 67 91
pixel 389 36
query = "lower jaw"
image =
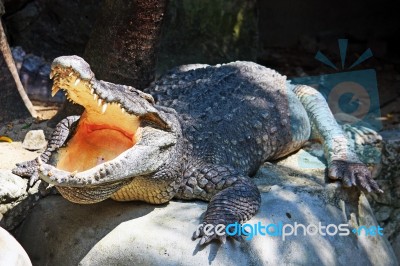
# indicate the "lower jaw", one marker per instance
pixel 88 148
pixel 88 195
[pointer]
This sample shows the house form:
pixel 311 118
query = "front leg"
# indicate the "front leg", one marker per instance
pixel 343 163
pixel 60 135
pixel 233 197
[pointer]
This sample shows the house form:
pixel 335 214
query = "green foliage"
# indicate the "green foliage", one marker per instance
pixel 208 31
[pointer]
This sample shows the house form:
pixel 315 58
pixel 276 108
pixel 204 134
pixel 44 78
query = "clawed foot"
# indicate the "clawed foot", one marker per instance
pixel 208 232
pixel 28 169
pixel 353 174
pixel 227 210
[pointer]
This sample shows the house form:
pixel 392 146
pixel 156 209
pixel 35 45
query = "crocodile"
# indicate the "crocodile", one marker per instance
pixel 199 132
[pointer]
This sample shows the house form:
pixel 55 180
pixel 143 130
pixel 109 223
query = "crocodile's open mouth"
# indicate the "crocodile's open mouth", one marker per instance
pixel 106 128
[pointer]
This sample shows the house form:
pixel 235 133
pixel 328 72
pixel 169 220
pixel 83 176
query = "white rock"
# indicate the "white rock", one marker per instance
pixel 34 140
pixel 12 187
pixel 11 252
pixel 130 233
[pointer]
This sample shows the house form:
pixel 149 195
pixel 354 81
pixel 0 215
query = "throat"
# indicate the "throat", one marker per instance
pixel 94 144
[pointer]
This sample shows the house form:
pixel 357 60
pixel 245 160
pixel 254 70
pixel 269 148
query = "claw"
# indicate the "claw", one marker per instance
pixel 375 187
pixel 198 231
pixel 353 174
pixel 333 173
pixel 353 178
pixel 346 181
pixel 34 178
pixel 206 239
pixel 39 161
pixel 202 240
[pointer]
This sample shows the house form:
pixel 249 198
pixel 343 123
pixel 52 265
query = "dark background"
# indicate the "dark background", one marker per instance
pixel 284 35
pixel 53 27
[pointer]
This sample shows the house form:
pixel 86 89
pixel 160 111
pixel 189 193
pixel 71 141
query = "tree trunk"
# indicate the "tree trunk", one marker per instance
pixel 14 101
pixel 122 47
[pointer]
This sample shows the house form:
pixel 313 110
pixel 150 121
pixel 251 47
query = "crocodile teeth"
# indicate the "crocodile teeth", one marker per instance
pixel 52 73
pixel 123 110
pixel 104 108
pixel 92 91
pixel 70 74
pixel 54 90
pixel 77 82
pixel 95 96
pixel 99 102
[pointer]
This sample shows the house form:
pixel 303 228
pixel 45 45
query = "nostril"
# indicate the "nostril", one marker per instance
pixel 133 91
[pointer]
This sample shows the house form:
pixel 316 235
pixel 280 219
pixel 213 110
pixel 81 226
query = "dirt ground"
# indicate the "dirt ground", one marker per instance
pixel 12 153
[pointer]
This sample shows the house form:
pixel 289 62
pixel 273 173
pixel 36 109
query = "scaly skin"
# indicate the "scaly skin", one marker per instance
pixel 211 129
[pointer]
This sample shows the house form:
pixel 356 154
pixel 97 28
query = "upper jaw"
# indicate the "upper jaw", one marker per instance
pixel 74 62
pixel 74 76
